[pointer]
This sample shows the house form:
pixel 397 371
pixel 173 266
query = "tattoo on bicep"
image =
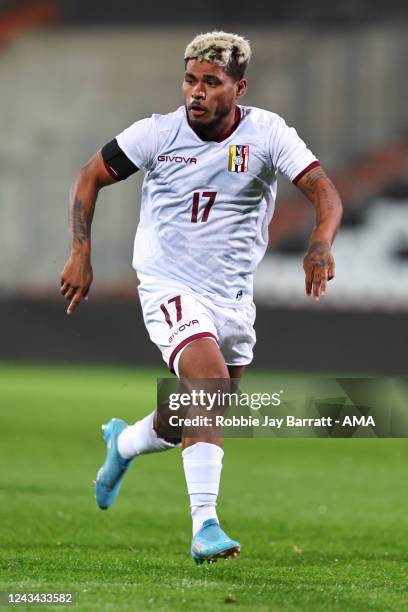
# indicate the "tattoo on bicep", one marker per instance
pixel 79 222
pixel 313 175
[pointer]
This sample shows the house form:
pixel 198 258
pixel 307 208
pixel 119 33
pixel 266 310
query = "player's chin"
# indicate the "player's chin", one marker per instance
pixel 201 121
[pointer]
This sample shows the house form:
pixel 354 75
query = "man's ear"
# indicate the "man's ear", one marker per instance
pixel 242 85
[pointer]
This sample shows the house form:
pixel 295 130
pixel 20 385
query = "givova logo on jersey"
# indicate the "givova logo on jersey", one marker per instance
pixel 238 158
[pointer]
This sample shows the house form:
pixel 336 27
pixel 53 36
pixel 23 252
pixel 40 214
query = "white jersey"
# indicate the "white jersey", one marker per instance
pixel 206 205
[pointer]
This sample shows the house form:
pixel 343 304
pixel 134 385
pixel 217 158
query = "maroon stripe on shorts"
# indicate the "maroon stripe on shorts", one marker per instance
pixel 187 341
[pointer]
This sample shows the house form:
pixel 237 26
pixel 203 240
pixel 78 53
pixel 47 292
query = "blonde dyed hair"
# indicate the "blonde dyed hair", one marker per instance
pixel 230 51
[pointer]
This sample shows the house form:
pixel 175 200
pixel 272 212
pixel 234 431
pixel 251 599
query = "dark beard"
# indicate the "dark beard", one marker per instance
pixel 209 131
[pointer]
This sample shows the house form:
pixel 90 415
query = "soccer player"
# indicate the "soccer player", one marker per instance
pixel 208 198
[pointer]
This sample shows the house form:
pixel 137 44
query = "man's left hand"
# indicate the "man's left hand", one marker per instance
pixel 319 268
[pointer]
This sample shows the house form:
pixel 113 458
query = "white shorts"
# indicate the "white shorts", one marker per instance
pixel 175 316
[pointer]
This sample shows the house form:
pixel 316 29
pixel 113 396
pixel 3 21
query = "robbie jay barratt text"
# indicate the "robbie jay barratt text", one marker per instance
pixel 250 421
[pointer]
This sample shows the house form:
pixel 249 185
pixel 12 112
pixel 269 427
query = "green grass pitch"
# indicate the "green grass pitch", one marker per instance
pixel 323 523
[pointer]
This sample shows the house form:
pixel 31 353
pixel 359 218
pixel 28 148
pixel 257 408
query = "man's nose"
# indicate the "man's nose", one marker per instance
pixel 198 91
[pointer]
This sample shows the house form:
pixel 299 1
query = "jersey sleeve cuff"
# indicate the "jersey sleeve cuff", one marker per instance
pixel 297 178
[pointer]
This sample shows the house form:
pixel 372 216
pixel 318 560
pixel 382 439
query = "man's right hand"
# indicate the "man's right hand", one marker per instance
pixel 76 280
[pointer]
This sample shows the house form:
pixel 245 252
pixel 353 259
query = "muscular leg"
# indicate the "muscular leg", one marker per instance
pixel 202 457
pixel 202 454
pixel 202 359
pixel 196 364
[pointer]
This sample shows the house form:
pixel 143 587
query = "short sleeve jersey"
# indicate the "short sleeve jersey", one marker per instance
pixel 206 205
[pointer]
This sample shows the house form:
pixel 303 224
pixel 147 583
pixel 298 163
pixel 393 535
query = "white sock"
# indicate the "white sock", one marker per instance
pixel 202 466
pixel 141 438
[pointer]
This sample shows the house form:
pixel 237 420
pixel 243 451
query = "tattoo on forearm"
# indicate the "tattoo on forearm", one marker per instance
pixel 80 224
pixel 328 195
pixel 326 203
pixel 320 190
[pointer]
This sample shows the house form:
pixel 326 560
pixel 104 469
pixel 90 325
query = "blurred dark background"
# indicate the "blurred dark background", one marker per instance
pixel 313 12
pixel 75 74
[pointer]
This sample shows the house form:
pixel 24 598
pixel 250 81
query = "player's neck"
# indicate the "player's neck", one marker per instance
pixel 223 130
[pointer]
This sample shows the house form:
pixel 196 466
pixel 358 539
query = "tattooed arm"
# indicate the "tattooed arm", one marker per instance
pixel 318 263
pixel 76 277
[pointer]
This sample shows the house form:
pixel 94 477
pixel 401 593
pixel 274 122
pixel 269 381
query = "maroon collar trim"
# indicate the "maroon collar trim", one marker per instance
pixel 234 126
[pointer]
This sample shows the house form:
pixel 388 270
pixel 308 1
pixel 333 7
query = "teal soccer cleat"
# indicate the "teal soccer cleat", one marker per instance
pixel 110 476
pixel 211 543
